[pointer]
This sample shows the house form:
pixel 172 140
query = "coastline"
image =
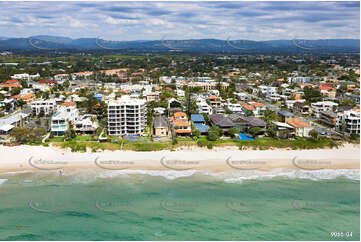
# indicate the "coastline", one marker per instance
pixel 225 159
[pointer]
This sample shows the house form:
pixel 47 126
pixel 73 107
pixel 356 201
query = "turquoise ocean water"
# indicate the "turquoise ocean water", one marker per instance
pixel 130 206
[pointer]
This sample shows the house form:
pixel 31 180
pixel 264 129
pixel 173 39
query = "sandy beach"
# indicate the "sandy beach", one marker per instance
pixel 22 158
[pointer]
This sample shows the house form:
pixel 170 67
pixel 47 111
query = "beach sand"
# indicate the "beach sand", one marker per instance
pixel 25 158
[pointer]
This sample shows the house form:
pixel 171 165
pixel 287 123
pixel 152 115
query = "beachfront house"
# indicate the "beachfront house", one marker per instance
pixel 160 126
pixel 199 123
pixel 181 124
pixel 302 128
pixel 221 121
pixel 67 112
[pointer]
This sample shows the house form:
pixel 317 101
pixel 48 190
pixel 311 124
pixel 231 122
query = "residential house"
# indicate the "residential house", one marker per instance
pixel 349 121
pixel 66 112
pixel 203 107
pixel 259 108
pixel 160 126
pixel 301 108
pixel 221 121
pixel 302 128
pixel 181 124
pixel 199 123
pixel 14 120
pixel 86 124
pixel 244 123
pixel 234 108
pixel 285 115
pixel 322 106
pixel 283 130
pixel 328 117
pixel 215 101
pixel 43 107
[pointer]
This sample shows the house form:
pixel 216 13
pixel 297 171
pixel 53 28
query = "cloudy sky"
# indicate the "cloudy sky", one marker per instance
pixel 181 20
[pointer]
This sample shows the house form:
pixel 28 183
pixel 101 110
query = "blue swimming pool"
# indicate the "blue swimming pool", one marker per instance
pixel 243 136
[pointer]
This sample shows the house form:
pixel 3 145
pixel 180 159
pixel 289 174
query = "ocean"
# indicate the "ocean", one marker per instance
pixel 174 205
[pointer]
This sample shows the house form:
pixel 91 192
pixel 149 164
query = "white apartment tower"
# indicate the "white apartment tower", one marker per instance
pixel 126 116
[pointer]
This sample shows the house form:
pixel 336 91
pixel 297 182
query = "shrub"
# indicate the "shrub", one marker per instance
pixel 202 142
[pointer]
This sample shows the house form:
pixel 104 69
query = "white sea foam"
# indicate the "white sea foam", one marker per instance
pixel 239 176
pixel 89 176
pixel 3 181
pixel 295 174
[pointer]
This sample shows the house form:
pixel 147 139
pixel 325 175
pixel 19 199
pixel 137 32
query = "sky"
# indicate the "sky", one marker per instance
pixel 181 20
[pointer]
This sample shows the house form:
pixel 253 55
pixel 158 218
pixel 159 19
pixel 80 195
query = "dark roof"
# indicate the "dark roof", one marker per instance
pixel 285 113
pixel 197 118
pixel 221 121
pixel 253 121
pixel 160 122
pixel 237 119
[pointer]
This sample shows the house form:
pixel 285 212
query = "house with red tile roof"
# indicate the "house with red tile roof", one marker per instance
pixel 302 128
pixel 181 124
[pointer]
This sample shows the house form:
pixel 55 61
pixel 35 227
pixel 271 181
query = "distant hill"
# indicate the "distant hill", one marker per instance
pixel 45 42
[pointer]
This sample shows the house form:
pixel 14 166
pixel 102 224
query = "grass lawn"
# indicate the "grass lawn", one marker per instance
pixel 56 139
pixel 80 143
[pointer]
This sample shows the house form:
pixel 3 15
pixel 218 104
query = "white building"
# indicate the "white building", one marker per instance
pixel 349 122
pixel 25 76
pixel 126 116
pixel 86 124
pixel 242 96
pixel 299 79
pixel 67 112
pixel 203 107
pixel 44 107
pixel 322 106
pixel 235 108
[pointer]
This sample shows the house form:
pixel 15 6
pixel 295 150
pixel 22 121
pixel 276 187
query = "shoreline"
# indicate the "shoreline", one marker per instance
pixel 222 159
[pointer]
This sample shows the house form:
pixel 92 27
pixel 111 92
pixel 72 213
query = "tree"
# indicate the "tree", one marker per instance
pixel 212 135
pixel 70 133
pixel 233 131
pixel 271 131
pixel 314 134
pixel 255 131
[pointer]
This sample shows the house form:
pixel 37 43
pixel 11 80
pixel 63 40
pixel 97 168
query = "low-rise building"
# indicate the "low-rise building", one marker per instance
pixel 13 120
pixel 284 130
pixel 302 128
pixel 203 107
pixel 43 107
pixel 328 117
pixel 66 112
pixel 199 123
pixel 86 124
pixel 301 108
pixel 160 126
pixel 181 124
pixel 322 106
pixel 349 121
